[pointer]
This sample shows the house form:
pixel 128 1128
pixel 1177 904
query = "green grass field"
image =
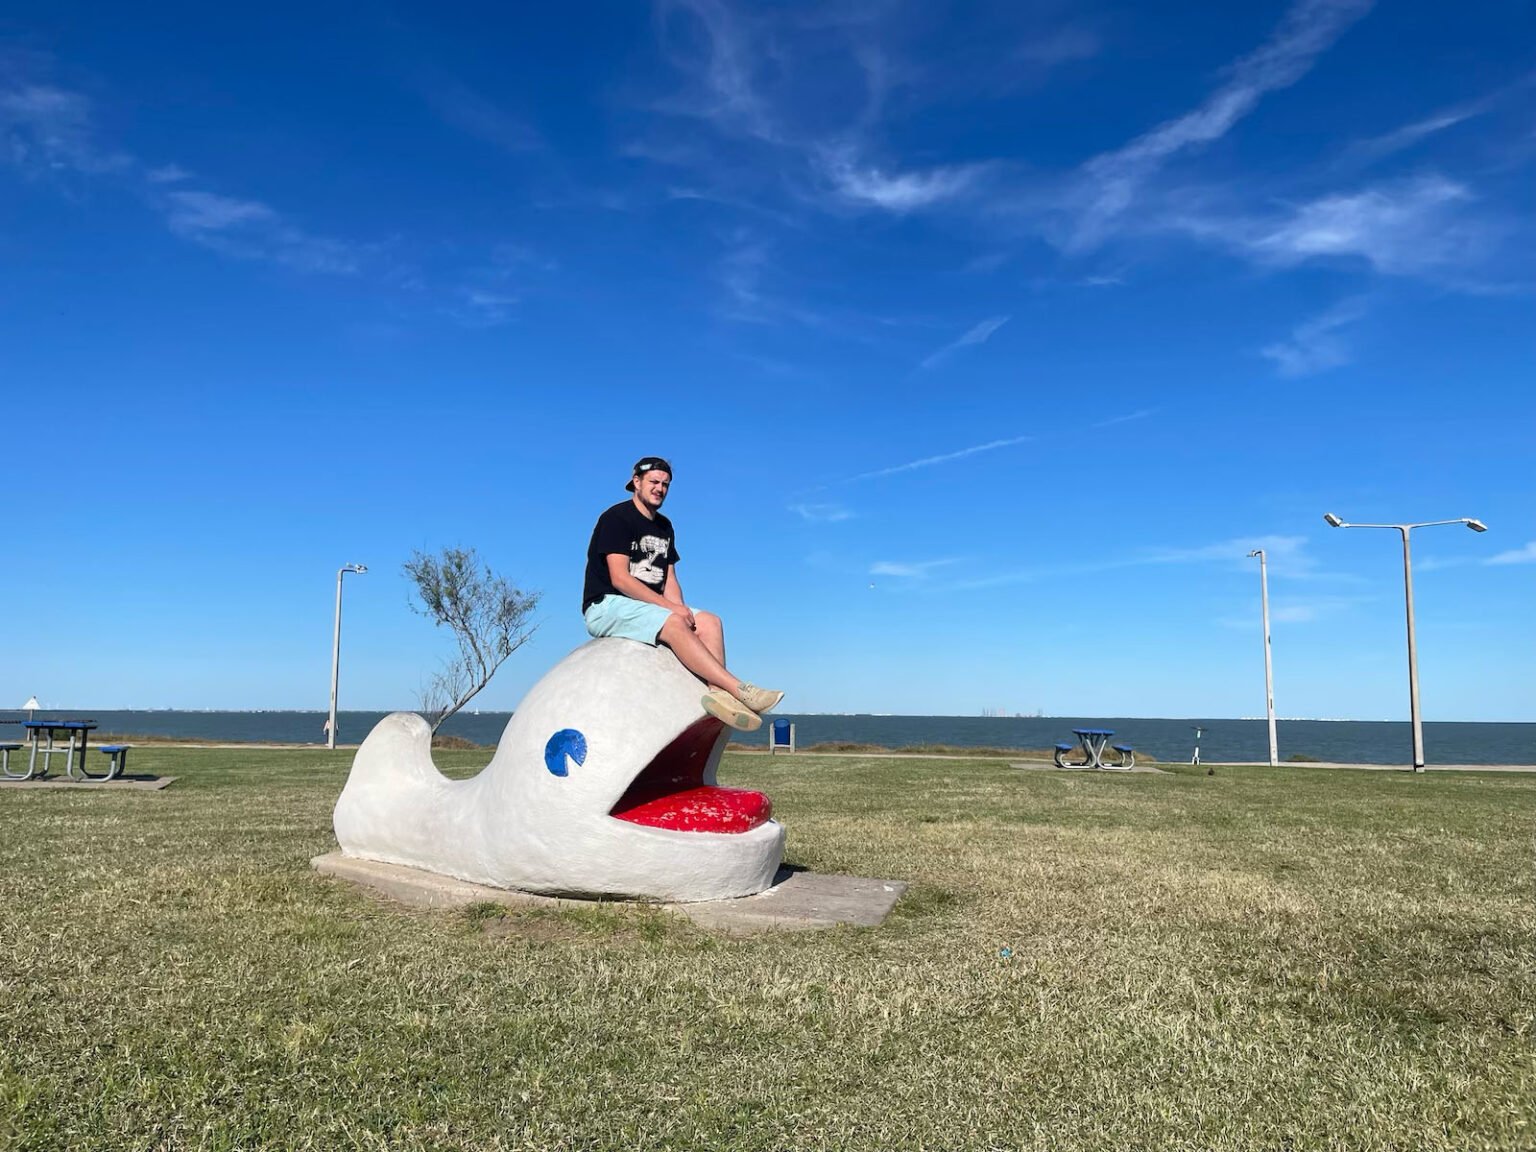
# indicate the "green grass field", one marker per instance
pixel 1287 958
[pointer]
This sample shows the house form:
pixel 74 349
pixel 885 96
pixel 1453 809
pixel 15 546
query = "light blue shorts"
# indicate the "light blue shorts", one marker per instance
pixel 615 615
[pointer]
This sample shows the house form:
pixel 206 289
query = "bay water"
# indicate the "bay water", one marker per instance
pixel 1221 740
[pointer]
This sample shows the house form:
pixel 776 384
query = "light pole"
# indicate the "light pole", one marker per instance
pixel 1413 657
pixel 330 725
pixel 1269 675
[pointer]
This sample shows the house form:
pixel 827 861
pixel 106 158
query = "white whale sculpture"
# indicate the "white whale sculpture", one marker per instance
pixel 603 785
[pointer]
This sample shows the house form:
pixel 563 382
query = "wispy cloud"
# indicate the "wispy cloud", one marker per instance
pixel 478 308
pixel 1317 344
pixel 1424 227
pixel 977 334
pixel 742 269
pixel 52 131
pixel 508 258
pixel 908 569
pixel 1285 610
pixel 989 261
pixel 931 461
pixel 200 214
pixel 1059 46
pixel 708 42
pixel 1410 134
pixel 740 273
pixel 167 174
pixel 473 114
pixel 1423 564
pixel 48 129
pixel 1285 555
pixel 1055 570
pixel 1526 555
pixel 490 292
pixel 821 513
pixel 1113 179
pixel 709 195
pixel 1139 414
pixel 747 72
pixel 1403 228
pixel 250 230
pixel 863 184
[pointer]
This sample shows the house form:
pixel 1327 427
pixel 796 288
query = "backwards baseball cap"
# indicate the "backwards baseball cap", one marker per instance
pixel 647 464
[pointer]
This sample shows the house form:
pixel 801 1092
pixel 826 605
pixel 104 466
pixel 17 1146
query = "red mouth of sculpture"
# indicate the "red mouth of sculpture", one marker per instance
pixel 670 792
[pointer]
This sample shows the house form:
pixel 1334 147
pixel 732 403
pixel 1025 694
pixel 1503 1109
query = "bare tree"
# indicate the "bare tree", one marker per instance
pixel 489 618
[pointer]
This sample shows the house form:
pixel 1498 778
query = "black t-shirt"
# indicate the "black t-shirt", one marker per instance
pixel 650 545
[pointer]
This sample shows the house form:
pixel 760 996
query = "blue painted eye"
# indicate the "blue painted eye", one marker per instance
pixel 564 746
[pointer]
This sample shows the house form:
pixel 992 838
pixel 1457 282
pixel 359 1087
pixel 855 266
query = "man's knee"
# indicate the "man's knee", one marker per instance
pixel 708 622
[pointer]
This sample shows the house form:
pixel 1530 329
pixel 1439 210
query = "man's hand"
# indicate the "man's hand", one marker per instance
pixel 686 613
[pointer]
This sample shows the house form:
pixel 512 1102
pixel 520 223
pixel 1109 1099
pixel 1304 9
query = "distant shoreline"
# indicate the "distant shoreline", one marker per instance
pixel 1022 758
pixel 1165 740
pixel 17 715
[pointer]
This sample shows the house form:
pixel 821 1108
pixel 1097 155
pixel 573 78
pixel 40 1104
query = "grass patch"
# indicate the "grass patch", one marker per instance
pixel 454 743
pixel 847 746
pixel 136 738
pixel 1268 958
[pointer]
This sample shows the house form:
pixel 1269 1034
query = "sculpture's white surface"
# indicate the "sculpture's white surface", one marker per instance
pixel 614 727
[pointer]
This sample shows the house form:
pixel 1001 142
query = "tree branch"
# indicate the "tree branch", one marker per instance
pixel 487 614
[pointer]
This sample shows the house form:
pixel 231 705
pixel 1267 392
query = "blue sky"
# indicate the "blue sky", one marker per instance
pixel 986 340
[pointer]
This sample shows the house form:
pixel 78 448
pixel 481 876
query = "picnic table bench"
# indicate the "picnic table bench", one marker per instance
pixel 118 754
pixel 1090 748
pixel 43 735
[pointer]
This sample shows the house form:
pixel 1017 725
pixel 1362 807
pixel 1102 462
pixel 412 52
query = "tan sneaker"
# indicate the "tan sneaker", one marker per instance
pixel 723 706
pixel 758 699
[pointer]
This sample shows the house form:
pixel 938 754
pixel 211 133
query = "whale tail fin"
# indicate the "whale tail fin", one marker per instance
pixel 391 773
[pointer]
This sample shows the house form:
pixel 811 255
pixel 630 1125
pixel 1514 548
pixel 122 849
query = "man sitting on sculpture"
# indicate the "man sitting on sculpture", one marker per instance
pixel 631 590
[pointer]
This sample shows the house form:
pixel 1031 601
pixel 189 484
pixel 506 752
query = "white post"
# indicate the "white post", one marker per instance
pixel 1413 657
pixel 330 724
pixel 1269 675
pixel 330 727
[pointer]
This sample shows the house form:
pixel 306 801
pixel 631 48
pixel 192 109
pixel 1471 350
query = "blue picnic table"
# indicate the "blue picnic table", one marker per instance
pixel 1090 747
pixel 44 736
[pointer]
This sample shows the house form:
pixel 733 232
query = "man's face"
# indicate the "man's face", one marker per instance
pixel 651 488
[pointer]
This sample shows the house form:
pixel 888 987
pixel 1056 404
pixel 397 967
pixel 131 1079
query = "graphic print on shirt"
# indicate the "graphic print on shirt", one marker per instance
pixel 654 548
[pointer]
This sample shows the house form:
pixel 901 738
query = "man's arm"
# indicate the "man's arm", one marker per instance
pixel 673 590
pixel 627 585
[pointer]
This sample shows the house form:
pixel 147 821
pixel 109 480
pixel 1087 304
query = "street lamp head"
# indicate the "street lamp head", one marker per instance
pixel 1256 552
pixel 1333 520
pixel 1476 525
pixel 354 567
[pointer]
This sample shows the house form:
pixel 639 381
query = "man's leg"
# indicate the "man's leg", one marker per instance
pixel 702 652
pixel 695 655
pixel 711 631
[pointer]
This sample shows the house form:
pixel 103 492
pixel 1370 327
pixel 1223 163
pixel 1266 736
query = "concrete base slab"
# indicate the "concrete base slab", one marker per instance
pixel 802 900
pixel 124 783
pixel 797 900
